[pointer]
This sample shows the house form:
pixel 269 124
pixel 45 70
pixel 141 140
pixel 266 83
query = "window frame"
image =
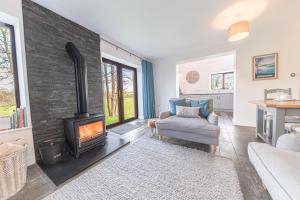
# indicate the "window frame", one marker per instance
pixel 223 80
pixel 14 60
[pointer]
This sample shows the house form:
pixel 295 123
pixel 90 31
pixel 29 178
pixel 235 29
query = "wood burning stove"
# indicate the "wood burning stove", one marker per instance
pixel 84 131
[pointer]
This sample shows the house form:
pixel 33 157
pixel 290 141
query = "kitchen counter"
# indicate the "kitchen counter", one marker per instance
pixel 215 93
pixel 222 101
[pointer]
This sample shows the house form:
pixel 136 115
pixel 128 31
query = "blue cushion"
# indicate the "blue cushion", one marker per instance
pixel 203 104
pixel 175 102
pixel 188 102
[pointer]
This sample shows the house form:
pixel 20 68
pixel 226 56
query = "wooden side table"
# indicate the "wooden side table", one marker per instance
pixel 152 125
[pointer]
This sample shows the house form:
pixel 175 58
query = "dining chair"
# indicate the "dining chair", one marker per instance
pixel 276 91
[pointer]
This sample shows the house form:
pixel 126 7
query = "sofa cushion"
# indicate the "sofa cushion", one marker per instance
pixel 189 112
pixel 203 105
pixel 189 125
pixel 175 102
pixel 278 168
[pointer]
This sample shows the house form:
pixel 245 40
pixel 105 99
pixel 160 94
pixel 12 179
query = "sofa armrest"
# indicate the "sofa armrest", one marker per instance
pixel 289 142
pixel 213 118
pixel 164 115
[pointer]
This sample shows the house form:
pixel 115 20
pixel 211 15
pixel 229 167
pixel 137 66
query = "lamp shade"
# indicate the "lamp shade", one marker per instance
pixel 238 31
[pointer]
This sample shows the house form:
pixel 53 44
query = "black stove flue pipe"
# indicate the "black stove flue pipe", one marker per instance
pixel 80 69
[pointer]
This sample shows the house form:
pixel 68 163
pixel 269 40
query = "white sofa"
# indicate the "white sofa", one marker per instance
pixel 278 167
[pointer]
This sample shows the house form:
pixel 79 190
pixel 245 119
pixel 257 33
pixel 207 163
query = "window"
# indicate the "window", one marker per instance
pixel 222 81
pixel 9 92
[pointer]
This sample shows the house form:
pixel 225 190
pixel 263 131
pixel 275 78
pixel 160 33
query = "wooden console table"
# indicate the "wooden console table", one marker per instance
pixel 279 109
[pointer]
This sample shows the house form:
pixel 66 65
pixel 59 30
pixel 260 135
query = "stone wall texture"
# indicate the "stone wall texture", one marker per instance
pixel 50 72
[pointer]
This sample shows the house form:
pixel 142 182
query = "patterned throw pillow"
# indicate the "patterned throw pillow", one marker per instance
pixel 203 105
pixel 213 118
pixel 189 112
pixel 175 102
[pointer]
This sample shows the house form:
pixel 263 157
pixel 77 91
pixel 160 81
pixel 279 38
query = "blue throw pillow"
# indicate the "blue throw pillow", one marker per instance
pixel 175 102
pixel 188 102
pixel 203 105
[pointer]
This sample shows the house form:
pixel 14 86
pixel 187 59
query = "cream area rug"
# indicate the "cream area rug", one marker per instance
pixel 150 169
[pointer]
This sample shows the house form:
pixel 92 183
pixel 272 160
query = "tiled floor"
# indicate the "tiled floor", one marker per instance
pixel 233 144
pixel 38 185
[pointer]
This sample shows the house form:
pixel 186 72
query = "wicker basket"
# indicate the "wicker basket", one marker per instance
pixel 13 169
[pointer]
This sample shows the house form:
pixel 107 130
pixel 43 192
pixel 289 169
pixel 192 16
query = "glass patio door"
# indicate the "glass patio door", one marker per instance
pixel 120 96
pixel 129 93
pixel 111 93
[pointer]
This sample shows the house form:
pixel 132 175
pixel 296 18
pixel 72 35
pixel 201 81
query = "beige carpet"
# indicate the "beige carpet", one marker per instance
pixel 150 169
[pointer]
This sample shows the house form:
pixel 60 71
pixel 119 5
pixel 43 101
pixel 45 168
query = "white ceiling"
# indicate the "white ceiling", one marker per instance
pixel 156 28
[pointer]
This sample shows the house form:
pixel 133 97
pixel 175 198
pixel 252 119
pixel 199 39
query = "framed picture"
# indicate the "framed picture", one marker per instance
pixel 265 67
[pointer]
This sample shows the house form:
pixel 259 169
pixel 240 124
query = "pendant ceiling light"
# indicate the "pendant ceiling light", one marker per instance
pixel 238 31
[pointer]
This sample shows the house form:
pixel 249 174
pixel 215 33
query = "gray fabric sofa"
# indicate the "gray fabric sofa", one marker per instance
pixel 278 167
pixel 199 130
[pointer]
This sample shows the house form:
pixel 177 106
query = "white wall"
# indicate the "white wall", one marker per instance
pixel 11 13
pixel 205 67
pixel 276 30
pixel 111 52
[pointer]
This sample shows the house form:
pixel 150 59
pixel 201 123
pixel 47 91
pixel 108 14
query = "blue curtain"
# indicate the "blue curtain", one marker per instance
pixel 148 90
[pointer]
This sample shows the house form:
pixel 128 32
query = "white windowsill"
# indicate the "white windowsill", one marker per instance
pixel 15 130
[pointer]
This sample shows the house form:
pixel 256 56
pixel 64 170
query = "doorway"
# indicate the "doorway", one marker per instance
pixel 211 77
pixel 120 93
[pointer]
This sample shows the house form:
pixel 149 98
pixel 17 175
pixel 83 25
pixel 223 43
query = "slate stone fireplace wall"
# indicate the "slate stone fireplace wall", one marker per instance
pixel 51 76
